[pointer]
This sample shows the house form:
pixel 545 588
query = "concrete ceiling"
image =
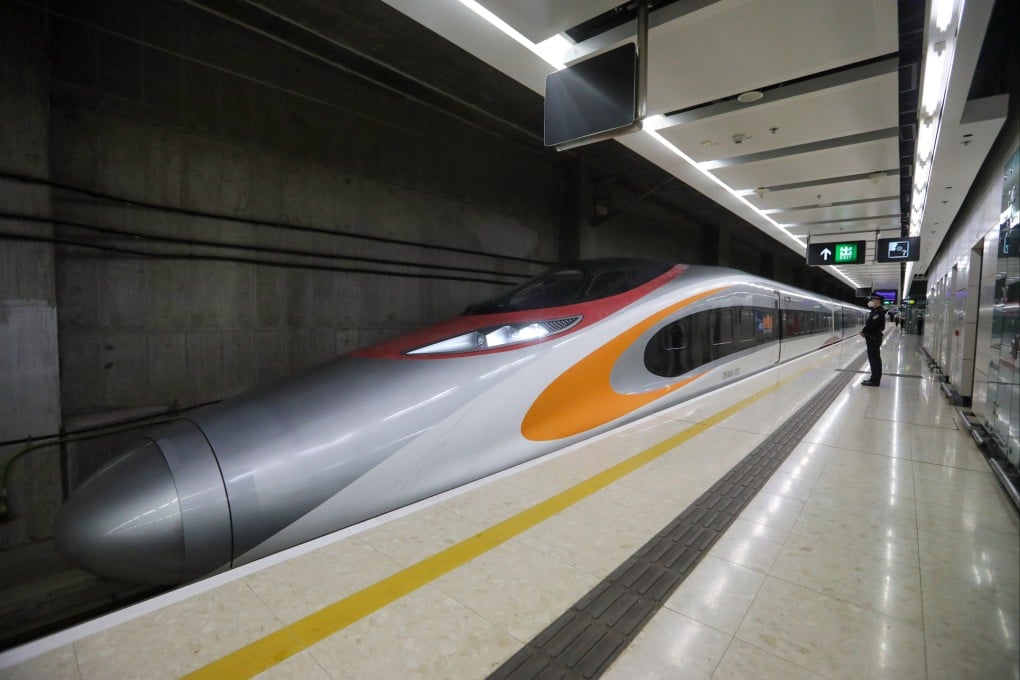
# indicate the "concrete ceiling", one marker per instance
pixel 825 155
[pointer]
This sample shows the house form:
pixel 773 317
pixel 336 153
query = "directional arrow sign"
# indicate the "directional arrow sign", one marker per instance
pixel 843 252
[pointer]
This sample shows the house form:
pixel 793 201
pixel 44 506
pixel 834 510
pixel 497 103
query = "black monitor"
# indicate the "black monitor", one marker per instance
pixel 594 96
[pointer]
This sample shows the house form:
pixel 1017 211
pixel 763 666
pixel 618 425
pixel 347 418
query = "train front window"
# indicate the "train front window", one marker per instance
pixel 546 291
pixel 571 284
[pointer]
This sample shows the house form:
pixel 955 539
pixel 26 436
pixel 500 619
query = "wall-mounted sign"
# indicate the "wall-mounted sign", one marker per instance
pixel 1009 240
pixel 903 249
pixel 1009 222
pixel 844 252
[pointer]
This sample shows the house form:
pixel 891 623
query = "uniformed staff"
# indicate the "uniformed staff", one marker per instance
pixel 872 332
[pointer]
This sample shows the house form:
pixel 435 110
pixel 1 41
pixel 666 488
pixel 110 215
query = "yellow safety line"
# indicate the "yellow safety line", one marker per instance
pixel 274 648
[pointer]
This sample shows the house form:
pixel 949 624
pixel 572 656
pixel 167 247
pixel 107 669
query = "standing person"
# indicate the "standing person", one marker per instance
pixel 874 325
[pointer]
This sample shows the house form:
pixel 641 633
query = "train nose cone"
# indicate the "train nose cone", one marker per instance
pixel 124 523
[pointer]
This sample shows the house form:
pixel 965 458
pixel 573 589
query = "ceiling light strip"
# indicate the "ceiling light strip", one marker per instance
pixel 940 48
pixel 548 50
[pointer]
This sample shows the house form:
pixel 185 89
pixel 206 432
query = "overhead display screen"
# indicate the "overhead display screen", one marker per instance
pixel 903 249
pixel 889 297
pixel 594 96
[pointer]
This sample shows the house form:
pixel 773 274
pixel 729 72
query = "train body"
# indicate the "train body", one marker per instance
pixel 575 352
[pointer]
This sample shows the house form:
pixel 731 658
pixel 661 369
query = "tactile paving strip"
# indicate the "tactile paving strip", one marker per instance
pixel 584 641
pixel 884 375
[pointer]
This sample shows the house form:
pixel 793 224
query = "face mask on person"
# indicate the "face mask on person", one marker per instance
pixel 873 303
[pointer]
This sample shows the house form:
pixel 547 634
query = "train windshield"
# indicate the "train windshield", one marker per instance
pixel 574 283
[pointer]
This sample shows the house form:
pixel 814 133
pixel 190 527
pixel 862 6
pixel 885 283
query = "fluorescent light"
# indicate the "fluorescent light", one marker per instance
pixel 544 53
pixel 690 161
pixel 552 50
pixel 908 276
pixel 655 122
pixel 934 79
pixel 846 278
pixel 943 14
pixel 926 139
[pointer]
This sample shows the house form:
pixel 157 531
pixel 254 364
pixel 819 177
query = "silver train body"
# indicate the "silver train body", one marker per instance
pixel 576 352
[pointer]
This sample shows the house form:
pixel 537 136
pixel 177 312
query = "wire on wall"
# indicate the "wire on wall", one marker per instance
pixel 112 198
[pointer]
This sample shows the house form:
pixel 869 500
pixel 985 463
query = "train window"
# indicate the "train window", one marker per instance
pixel 546 291
pixel 674 336
pixel 608 283
pixel 722 326
pixel 692 341
pixel 667 353
pixel 745 324
pixel 581 282
pixel 789 326
pixel 764 323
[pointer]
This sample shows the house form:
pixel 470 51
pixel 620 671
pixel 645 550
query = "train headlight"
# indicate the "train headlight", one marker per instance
pixel 499 336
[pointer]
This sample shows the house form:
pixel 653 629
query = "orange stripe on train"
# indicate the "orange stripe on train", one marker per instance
pixel 582 398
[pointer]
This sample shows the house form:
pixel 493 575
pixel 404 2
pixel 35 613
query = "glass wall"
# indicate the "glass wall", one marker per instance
pixel 1004 375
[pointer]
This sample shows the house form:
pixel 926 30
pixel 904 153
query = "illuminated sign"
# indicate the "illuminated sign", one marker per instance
pixel 845 252
pixel 889 297
pixel 904 249
pixel 1009 240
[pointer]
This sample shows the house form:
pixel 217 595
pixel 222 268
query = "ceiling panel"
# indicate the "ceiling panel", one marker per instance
pixel 825 137
pixel 865 226
pixel 848 160
pixel 854 108
pixel 737 45
pixel 861 189
pixel 838 213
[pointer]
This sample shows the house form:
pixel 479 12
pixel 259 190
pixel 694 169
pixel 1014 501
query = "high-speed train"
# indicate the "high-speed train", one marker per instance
pixel 574 352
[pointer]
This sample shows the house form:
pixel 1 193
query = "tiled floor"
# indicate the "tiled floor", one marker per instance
pixel 881 548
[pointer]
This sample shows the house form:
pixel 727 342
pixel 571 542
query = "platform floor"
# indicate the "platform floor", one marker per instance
pixel 882 547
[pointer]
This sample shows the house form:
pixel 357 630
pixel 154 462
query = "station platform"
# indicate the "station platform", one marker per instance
pixel 793 525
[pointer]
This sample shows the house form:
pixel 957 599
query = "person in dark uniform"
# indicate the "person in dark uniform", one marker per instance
pixel 874 326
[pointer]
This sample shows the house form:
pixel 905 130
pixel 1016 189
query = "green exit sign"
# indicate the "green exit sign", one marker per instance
pixel 847 252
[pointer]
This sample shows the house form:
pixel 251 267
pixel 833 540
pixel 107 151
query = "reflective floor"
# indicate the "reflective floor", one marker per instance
pixel 882 547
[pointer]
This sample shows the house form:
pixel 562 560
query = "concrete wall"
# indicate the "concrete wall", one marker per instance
pixel 29 369
pixel 212 118
pixel 202 146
